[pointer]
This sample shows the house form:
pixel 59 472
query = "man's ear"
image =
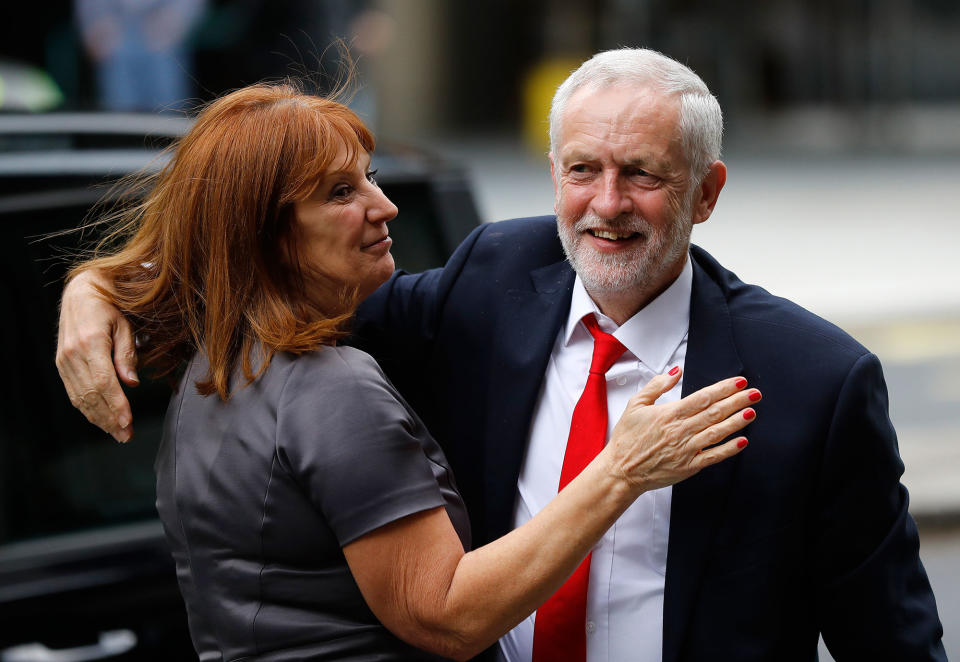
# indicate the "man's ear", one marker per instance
pixel 709 191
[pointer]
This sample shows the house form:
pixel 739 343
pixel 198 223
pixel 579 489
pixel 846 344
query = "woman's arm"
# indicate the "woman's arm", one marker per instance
pixel 418 581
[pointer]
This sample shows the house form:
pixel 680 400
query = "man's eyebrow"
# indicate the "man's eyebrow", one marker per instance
pixel 640 161
pixel 576 155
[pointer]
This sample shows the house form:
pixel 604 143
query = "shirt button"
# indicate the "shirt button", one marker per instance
pixel 621 380
pixel 591 627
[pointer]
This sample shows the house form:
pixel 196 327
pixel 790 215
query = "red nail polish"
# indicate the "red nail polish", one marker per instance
pixel 754 396
pixel 674 370
pixel 742 443
pixel 740 383
pixel 749 414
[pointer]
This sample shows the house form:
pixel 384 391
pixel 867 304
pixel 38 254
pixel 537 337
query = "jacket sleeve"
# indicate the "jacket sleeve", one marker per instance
pixel 875 601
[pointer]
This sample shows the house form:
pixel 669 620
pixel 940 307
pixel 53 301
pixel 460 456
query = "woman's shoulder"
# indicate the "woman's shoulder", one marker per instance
pixel 336 360
pixel 336 369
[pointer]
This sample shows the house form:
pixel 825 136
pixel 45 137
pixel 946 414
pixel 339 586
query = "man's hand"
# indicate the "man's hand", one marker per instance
pixel 95 344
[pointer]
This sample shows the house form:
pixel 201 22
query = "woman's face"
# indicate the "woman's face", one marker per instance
pixel 341 230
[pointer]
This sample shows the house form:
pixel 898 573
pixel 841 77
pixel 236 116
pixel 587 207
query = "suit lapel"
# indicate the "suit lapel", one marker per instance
pixel 699 501
pixel 524 335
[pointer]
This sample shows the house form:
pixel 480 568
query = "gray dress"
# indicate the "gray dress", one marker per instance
pixel 259 494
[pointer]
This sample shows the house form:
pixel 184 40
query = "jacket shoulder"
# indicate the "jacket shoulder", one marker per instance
pixel 510 248
pixel 756 311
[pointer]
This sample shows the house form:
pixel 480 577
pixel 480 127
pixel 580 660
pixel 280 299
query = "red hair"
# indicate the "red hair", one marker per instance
pixel 205 258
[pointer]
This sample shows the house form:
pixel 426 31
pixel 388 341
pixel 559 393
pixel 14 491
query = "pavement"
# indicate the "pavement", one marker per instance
pixel 868 241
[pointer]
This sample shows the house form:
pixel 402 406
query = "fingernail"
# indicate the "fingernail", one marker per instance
pixel 741 382
pixel 123 422
pixel 749 414
pixel 131 375
pixel 742 443
pixel 674 370
pixel 753 397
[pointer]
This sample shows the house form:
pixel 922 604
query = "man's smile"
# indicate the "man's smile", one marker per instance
pixel 613 236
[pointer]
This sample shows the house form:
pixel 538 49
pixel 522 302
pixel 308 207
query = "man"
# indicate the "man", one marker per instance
pixel 807 532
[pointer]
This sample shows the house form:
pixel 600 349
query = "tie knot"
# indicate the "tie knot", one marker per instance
pixel 606 348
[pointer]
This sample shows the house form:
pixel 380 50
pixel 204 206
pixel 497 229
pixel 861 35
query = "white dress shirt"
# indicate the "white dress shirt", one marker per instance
pixel 627 570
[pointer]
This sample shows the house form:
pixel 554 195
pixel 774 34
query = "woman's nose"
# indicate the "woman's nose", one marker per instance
pixel 382 209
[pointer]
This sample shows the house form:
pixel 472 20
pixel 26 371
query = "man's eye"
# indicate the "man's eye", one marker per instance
pixel 372 177
pixel 580 168
pixel 637 172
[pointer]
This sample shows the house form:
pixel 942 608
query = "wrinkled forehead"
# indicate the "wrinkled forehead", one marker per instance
pixel 620 114
pixel 622 101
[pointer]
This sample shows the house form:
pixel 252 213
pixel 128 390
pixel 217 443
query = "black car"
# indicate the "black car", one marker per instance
pixel 84 569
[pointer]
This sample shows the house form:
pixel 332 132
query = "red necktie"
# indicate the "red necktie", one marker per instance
pixel 559 633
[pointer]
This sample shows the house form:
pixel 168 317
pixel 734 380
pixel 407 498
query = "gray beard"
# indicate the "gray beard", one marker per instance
pixel 603 273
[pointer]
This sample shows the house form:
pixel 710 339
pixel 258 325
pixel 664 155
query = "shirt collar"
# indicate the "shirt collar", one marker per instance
pixel 653 334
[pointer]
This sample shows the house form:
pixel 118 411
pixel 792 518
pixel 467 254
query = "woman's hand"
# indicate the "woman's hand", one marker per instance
pixel 417 580
pixel 95 344
pixel 653 446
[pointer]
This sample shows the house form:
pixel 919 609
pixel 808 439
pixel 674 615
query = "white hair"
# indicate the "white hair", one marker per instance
pixel 701 121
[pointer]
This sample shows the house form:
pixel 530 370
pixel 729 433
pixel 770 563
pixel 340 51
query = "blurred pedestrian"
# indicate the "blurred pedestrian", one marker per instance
pixel 140 50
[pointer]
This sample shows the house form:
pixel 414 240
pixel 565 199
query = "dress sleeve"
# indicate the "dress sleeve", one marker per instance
pixel 350 441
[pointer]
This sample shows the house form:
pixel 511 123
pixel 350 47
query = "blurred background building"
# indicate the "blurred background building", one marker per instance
pixel 843 142
pixel 860 73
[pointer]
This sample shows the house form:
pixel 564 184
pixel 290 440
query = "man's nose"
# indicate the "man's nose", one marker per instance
pixel 610 200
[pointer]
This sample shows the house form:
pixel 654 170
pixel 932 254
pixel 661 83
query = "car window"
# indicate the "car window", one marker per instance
pixel 58 473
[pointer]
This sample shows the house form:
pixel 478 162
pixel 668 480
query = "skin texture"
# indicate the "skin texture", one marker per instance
pixel 95 347
pixel 620 168
pixel 341 231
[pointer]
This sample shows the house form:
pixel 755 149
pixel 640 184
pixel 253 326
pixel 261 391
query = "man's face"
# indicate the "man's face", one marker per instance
pixel 624 200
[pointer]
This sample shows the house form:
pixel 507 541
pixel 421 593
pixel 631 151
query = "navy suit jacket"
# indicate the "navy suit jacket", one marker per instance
pixel 806 531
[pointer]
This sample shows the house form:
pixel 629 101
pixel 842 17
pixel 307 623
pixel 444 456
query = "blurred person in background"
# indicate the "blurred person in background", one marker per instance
pixel 140 50
pixel 310 514
pixel 749 560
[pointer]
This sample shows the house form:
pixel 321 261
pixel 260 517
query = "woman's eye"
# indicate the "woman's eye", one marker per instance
pixel 372 177
pixel 340 192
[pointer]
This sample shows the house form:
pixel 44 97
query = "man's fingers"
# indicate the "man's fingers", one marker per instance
pixel 125 363
pixel 656 387
pixel 99 412
pixel 95 341
pixel 104 403
pixel 125 352
pixel 78 378
pixel 88 374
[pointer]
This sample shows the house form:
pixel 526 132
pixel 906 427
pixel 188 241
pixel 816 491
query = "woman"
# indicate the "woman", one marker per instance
pixel 310 514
